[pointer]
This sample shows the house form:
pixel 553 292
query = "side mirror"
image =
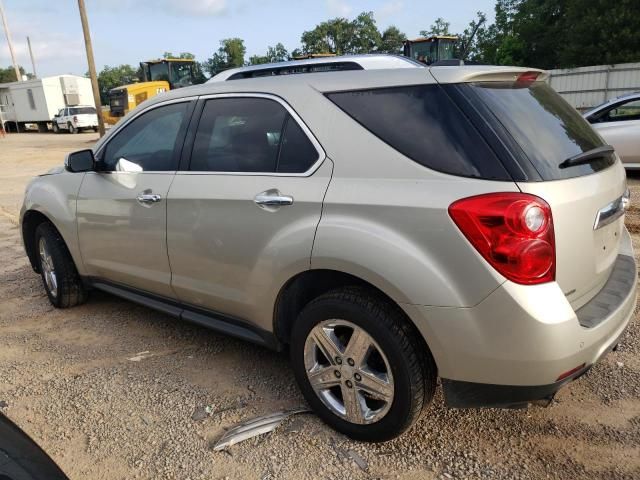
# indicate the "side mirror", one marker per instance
pixel 80 161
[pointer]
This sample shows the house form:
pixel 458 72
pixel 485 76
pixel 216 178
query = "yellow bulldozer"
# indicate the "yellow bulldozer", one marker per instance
pixel 158 76
pixel 430 50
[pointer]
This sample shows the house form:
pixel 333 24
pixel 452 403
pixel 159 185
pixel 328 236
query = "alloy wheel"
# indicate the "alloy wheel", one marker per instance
pixel 348 371
pixel 48 269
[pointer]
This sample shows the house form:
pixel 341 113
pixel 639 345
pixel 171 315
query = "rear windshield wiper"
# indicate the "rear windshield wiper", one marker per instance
pixel 587 157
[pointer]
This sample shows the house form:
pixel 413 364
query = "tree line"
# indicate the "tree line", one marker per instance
pixel 536 33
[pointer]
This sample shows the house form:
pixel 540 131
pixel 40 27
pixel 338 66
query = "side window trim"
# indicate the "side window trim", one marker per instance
pixel 187 150
pixel 191 101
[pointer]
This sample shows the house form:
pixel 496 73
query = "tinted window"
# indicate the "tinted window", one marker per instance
pixel 424 124
pixel 82 110
pixel 297 153
pixel 624 111
pixel 238 135
pixel 547 129
pixel 148 142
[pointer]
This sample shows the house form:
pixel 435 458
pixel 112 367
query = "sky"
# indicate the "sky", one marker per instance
pixel 131 31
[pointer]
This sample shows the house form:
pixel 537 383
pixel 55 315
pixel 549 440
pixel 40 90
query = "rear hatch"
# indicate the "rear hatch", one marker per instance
pixel 84 115
pixel 552 152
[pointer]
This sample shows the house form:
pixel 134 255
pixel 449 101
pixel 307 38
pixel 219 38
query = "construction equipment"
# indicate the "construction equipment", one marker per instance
pixel 158 76
pixel 429 50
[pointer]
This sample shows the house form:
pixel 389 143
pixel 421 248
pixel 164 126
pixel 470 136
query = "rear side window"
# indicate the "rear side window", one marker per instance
pixel 82 111
pixel 247 134
pixel 547 129
pixel 424 124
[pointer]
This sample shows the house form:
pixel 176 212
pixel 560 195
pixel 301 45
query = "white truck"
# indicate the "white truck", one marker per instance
pixel 75 119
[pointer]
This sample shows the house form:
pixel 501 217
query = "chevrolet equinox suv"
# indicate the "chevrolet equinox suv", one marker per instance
pixel 387 227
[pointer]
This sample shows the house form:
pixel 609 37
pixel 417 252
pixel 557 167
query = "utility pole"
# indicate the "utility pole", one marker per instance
pixel 92 65
pixel 6 32
pixel 33 62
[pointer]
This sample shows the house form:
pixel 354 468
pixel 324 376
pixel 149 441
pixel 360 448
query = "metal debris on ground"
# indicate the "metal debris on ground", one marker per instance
pixel 3 404
pixel 254 427
pixel 140 356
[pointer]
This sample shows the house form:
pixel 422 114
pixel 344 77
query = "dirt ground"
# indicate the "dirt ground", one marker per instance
pixel 113 390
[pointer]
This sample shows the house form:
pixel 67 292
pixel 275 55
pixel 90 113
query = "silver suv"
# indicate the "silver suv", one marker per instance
pixel 386 227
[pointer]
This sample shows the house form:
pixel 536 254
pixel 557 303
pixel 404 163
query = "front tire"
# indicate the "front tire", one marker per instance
pixel 360 365
pixel 59 275
pixel 55 128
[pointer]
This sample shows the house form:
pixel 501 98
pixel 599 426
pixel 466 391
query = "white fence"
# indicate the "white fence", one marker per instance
pixel 586 87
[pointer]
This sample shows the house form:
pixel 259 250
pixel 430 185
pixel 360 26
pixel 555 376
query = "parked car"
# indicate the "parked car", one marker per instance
pixel 618 122
pixel 75 119
pixel 389 227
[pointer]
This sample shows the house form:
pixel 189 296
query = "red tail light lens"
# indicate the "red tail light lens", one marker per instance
pixel 75 119
pixel 512 231
pixel 528 77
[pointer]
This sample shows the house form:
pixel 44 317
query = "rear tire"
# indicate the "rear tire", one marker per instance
pixel 73 129
pixel 59 275
pixel 392 385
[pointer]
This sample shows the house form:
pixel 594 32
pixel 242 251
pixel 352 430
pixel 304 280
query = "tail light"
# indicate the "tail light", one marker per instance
pixel 75 119
pixel 512 231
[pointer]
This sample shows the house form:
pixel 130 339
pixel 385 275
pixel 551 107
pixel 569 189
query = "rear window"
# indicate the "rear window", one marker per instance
pixel 424 124
pixel 82 110
pixel 547 129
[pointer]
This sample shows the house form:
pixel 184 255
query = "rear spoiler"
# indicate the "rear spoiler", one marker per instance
pixel 450 74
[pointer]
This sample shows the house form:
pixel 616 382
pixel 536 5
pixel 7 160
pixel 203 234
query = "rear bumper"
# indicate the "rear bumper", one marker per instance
pixel 460 394
pixel 513 346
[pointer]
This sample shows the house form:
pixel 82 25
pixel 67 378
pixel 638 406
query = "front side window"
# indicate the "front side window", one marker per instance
pixel 147 143
pixel 250 135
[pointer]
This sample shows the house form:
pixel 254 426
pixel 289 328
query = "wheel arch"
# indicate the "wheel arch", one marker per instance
pixel 30 222
pixel 310 284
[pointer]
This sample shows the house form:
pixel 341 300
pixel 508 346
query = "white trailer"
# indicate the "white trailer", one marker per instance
pixel 37 101
pixel 586 87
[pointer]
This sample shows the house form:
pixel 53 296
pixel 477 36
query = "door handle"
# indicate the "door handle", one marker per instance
pixel 272 198
pixel 147 198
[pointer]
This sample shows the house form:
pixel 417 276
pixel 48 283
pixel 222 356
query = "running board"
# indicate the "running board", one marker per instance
pixel 206 318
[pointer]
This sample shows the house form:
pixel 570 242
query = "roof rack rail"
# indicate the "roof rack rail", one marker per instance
pixel 319 64
pixel 296 69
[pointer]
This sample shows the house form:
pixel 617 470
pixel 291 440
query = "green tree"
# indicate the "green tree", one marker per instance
pixel 341 36
pixel 229 55
pixel 366 36
pixel 332 36
pixel 274 54
pixel 471 38
pixel 600 32
pixel 392 41
pixel 9 74
pixel 110 77
pixel 439 27
pixel 185 55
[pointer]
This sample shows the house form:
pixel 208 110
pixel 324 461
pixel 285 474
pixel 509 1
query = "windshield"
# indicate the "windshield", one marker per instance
pixel 158 72
pixel 82 111
pixel 423 52
pixel 544 125
pixel 181 75
pixel 445 50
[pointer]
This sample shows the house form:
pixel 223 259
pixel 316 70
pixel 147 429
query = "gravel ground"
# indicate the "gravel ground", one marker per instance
pixel 113 390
